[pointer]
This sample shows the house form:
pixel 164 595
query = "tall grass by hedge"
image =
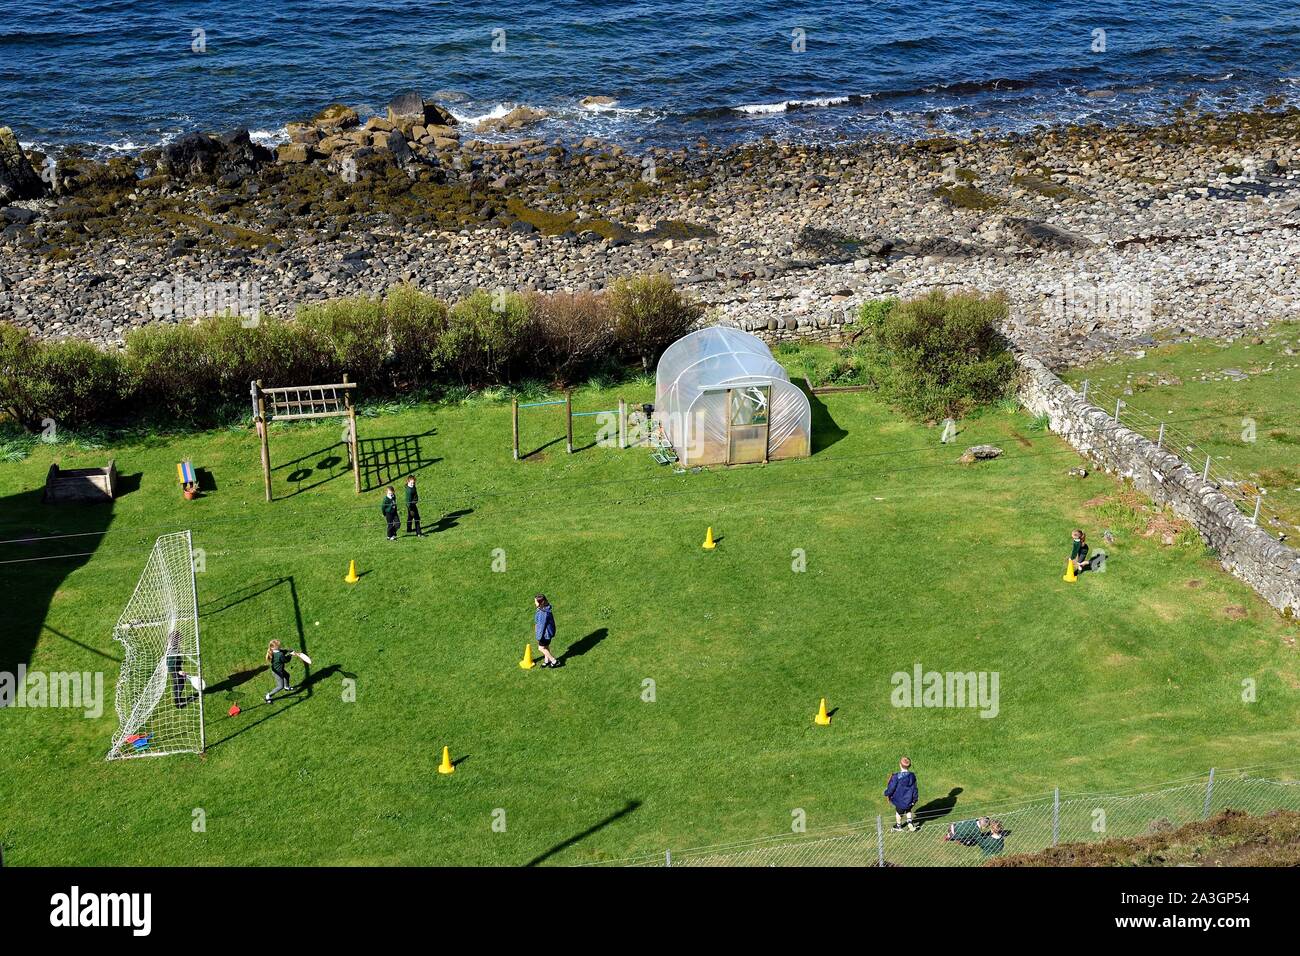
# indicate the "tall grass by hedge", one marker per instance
pixel 198 373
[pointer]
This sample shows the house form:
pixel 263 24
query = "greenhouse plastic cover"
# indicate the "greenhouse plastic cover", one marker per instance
pixel 691 386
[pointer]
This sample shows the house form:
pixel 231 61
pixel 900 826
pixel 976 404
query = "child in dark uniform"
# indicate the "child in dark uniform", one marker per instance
pixel 278 658
pixel 175 661
pixel 1079 549
pixel 412 508
pixel 389 508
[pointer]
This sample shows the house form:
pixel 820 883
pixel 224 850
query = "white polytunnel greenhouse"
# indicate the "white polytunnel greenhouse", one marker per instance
pixel 722 398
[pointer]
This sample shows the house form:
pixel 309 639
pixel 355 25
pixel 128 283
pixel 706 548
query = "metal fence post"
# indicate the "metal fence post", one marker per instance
pixel 880 842
pixel 1118 403
pixel 1254 519
pixel 1160 439
pixel 1205 475
pixel 668 857
pixel 1085 389
pixel 1056 816
pixel 1209 795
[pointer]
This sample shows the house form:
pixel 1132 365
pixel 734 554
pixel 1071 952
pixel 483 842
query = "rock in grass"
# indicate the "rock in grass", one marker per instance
pixel 979 453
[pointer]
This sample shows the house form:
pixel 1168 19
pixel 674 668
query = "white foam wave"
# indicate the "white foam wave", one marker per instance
pixel 785 105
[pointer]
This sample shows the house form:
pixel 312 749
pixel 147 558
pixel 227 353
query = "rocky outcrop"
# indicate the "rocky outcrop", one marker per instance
pixel 199 156
pixel 1249 552
pixel 17 178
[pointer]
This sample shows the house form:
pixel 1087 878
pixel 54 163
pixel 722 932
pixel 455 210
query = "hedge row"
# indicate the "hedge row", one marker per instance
pixel 408 341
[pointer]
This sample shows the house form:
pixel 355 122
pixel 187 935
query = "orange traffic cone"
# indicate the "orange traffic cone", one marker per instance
pixel 446 766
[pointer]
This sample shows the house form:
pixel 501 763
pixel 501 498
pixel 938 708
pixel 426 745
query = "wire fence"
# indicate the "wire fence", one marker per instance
pixel 949 836
pixel 1247 493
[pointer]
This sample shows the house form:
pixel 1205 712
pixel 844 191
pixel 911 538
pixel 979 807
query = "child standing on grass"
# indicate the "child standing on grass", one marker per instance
pixel 1078 549
pixel 902 792
pixel 389 509
pixel 412 508
pixel 544 629
pixel 278 658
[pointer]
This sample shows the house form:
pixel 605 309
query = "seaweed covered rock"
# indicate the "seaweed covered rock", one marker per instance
pixel 198 156
pixel 17 178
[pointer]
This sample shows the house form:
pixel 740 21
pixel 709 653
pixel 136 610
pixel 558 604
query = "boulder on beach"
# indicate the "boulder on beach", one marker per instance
pixel 517 118
pixel 335 118
pixel 18 180
pixel 408 110
pixel 200 156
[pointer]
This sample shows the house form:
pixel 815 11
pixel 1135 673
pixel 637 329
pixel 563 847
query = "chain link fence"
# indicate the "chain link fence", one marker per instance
pixel 968 837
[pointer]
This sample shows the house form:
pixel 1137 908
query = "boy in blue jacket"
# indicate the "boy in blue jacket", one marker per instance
pixel 544 629
pixel 902 793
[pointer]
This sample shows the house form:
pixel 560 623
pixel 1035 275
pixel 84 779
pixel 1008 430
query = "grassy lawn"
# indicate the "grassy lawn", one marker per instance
pixel 1239 401
pixel 1123 678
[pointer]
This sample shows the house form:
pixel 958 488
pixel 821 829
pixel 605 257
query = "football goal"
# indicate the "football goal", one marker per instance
pixel 160 691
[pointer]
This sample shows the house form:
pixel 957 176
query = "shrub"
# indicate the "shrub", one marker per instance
pixel 941 356
pixel 485 340
pixel 71 383
pixel 650 315
pixel 416 323
pixel 573 334
pixel 353 333
pixel 872 315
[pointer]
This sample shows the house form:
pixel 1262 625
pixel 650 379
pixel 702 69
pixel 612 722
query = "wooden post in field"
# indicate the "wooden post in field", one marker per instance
pixel 568 419
pixel 622 424
pixel 355 449
pixel 259 418
pixel 514 423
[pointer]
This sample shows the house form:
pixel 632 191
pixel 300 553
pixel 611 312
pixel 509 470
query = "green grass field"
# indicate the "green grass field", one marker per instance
pixel 1122 678
pixel 1237 401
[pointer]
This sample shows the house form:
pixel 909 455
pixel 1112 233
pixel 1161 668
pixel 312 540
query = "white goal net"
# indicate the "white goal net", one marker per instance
pixel 159 693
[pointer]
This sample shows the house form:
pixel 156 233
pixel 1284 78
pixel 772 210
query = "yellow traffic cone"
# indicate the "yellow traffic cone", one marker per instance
pixel 1069 572
pixel 708 540
pixel 446 766
pixel 527 663
pixel 352 576
pixel 822 719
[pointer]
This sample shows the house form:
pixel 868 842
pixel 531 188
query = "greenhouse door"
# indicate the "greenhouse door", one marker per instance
pixel 748 424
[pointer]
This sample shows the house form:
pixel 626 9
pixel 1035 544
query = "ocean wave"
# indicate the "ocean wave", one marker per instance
pixel 785 106
pixel 469 119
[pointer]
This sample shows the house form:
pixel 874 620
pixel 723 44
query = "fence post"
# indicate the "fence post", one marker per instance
pixel 668 857
pixel 514 418
pixel 1254 519
pixel 1205 475
pixel 1118 403
pixel 1056 816
pixel 880 842
pixel 1160 439
pixel 568 419
pixel 1209 795
pixel 622 424
pixel 1085 389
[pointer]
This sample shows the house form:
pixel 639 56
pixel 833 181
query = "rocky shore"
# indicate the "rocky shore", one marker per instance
pixel 1103 239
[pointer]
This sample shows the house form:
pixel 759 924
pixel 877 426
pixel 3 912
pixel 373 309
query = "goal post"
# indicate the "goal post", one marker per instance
pixel 159 695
